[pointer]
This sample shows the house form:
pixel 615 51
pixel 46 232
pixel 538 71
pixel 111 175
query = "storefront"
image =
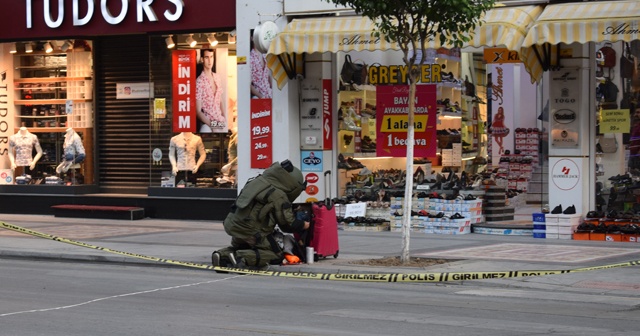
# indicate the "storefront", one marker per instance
pixel 96 109
pixel 326 45
pixel 589 51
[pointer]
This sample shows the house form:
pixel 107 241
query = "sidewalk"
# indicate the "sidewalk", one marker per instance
pixel 193 241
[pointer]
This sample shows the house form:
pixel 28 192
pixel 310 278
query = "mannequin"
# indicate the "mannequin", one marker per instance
pixel 73 151
pixel 21 147
pixel 182 152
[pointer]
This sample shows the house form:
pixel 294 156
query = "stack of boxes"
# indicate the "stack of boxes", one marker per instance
pixel 470 210
pixel 452 157
pixel 528 142
pixel 561 226
pixel 539 225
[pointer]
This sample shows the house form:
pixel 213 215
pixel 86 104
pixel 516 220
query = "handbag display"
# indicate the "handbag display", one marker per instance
pixel 353 73
pixel 627 63
pixel 608 145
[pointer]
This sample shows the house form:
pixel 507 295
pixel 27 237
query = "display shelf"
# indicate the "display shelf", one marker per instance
pixel 49 80
pixel 49 101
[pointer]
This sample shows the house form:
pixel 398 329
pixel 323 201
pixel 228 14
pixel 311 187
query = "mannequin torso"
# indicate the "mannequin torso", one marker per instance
pixel 23 143
pixel 182 152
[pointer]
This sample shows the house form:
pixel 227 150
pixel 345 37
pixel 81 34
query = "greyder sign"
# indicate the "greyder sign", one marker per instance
pixel 143 9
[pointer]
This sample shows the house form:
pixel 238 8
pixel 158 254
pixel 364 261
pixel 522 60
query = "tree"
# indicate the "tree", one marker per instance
pixel 412 24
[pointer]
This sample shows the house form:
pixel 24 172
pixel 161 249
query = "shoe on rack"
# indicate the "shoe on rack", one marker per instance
pixel 557 210
pixel 570 210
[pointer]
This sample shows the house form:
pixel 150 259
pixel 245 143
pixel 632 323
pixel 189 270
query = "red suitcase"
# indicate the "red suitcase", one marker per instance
pixel 324 231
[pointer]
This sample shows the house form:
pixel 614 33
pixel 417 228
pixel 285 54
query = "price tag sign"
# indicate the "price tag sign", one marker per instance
pixel 261 133
pixel 356 210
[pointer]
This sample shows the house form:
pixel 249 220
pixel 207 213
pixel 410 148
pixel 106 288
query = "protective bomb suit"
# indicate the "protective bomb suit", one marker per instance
pixel 263 203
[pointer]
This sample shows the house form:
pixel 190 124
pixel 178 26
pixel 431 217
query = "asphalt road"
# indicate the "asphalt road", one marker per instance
pixel 60 298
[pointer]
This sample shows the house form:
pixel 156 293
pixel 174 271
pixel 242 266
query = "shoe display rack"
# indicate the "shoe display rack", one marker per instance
pixel 450 108
pixel 612 227
pixel 495 205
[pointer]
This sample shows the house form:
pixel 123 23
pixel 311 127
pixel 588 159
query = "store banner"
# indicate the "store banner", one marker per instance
pixel 261 133
pixel 502 109
pixel 327 114
pixel 392 115
pixel 564 105
pixel 184 90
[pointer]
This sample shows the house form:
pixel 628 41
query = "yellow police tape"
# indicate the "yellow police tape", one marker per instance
pixel 371 277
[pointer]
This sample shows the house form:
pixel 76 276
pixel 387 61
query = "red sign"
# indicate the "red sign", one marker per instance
pixel 261 133
pixel 312 178
pixel 392 115
pixel 184 90
pixel 67 18
pixel 327 112
pixel 312 190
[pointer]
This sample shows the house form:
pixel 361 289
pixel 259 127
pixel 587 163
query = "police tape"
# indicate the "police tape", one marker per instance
pixel 361 277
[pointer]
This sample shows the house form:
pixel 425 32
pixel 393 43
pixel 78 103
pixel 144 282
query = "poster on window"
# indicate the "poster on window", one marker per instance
pixel 261 133
pixel 392 115
pixel 184 103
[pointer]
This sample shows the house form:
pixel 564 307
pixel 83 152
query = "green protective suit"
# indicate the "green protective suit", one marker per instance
pixel 263 203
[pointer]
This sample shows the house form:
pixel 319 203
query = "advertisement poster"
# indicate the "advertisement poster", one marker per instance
pixel 327 113
pixel 564 104
pixel 502 109
pixel 392 115
pixel 311 167
pixel 184 90
pixel 261 133
pixel 615 121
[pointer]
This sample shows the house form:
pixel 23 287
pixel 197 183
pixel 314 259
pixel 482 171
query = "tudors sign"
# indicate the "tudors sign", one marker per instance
pixel 564 116
pixel 40 19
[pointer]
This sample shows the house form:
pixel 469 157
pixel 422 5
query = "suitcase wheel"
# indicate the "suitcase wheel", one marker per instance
pixel 335 256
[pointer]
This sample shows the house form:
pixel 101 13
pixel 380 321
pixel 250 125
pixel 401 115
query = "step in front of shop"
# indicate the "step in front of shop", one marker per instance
pixel 505 228
pixel 98 211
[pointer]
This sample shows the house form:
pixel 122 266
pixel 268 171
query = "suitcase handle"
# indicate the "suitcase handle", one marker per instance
pixel 327 186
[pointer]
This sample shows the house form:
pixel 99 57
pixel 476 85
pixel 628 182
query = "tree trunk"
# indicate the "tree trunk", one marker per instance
pixel 408 189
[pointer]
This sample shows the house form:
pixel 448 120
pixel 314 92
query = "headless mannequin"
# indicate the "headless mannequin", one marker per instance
pixel 21 147
pixel 73 151
pixel 182 152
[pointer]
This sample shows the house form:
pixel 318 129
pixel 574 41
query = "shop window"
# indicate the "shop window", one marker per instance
pixel 53 100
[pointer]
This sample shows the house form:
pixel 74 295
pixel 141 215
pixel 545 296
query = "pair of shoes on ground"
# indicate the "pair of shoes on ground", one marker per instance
pixel 568 211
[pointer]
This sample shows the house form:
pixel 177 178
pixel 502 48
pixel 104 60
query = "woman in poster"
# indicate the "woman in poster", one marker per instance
pixel 498 129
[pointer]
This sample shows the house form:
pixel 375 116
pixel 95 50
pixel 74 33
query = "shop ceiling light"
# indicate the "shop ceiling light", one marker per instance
pixel 68 44
pixel 191 42
pixel 232 37
pixel 28 48
pixel 169 42
pixel 213 41
pixel 14 48
pixel 48 47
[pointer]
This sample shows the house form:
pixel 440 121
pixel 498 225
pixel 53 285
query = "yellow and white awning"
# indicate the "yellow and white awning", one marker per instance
pixel 505 27
pixel 581 22
pixel 502 27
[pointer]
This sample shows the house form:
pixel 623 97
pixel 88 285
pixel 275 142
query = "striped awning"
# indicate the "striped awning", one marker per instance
pixel 331 34
pixel 581 22
pixel 502 27
pixel 505 27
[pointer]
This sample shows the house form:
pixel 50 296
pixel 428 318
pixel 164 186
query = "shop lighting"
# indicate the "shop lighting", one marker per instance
pixel 213 41
pixel 191 42
pixel 48 47
pixel 14 48
pixel 169 42
pixel 67 45
pixel 28 48
pixel 468 158
pixel 232 37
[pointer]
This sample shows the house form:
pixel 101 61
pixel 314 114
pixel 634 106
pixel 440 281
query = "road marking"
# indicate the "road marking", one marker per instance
pixel 117 296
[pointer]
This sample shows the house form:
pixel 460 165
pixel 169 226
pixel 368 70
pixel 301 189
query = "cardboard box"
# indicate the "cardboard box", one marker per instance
pixel 617 237
pixel 581 236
